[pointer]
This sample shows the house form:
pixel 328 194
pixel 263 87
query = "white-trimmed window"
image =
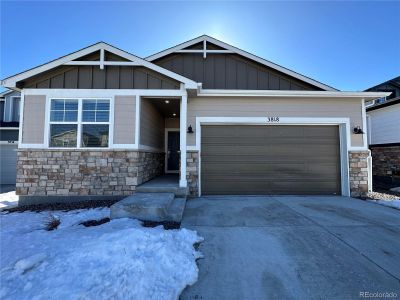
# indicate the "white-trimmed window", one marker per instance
pixel 79 123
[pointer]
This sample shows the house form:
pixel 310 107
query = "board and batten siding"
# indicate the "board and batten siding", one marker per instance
pixel 230 71
pixel 124 119
pixel 384 125
pixel 151 126
pixel 34 119
pixel 92 77
pixel 282 107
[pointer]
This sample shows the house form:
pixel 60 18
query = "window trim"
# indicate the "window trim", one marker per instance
pixel 79 123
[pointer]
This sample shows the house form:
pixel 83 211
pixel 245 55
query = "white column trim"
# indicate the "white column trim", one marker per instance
pixel 183 121
pixel 21 118
pixel 137 120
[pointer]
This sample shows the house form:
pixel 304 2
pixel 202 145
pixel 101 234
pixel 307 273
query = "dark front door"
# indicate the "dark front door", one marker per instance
pixel 173 153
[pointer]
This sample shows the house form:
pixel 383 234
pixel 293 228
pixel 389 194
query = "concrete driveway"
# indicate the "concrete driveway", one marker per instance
pixel 294 247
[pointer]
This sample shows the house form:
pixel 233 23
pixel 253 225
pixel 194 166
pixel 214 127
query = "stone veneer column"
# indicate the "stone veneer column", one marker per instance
pixel 386 160
pixel 192 173
pixel 85 172
pixel 358 173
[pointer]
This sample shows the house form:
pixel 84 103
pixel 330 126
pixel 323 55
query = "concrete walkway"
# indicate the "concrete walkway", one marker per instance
pixel 294 248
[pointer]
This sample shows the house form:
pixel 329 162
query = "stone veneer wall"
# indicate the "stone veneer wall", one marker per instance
pixel 385 161
pixel 84 173
pixel 358 173
pixel 192 173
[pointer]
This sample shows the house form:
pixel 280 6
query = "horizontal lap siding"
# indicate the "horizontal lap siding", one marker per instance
pixel 124 119
pixel 270 159
pixel 151 125
pixel 34 119
pixel 281 107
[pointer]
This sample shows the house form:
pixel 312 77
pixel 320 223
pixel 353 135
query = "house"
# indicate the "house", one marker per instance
pixel 383 121
pixel 99 122
pixel 9 123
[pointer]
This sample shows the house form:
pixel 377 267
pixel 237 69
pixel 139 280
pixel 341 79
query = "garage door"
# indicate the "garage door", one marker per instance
pixel 8 164
pixel 240 160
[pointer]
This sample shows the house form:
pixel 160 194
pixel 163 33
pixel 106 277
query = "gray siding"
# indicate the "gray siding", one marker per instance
pixel 230 71
pixel 34 119
pixel 124 119
pixel 92 77
pixel 151 126
pixel 281 107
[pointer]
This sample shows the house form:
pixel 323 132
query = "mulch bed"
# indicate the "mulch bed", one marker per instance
pixel 166 225
pixel 63 206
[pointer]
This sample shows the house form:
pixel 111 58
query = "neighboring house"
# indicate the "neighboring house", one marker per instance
pixel 100 121
pixel 9 123
pixel 383 120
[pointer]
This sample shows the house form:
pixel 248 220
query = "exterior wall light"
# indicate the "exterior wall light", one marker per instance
pixel 357 130
pixel 190 129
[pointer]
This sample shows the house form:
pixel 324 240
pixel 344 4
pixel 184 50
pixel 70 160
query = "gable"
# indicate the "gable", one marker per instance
pixel 92 77
pixel 230 71
pixel 100 66
pixel 218 65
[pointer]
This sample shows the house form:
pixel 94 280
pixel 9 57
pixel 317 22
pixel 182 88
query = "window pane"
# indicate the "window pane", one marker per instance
pixel 71 116
pixel 63 135
pixel 88 116
pixel 71 104
pixel 89 105
pixel 103 105
pixel 57 116
pixel 57 104
pixel 102 116
pixel 94 135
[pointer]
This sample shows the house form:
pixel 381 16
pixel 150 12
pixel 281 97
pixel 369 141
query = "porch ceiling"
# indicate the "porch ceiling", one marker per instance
pixel 166 109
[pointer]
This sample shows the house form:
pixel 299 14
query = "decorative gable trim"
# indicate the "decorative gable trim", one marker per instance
pixel 231 49
pixel 71 59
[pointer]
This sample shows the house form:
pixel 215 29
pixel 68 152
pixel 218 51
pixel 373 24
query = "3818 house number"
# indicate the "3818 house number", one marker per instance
pixel 272 119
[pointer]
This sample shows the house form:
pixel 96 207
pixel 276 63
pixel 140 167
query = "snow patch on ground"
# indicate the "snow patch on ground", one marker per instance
pixel 119 259
pixel 8 200
pixel 390 203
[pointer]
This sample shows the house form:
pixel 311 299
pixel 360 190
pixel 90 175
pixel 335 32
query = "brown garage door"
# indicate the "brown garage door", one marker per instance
pixel 244 159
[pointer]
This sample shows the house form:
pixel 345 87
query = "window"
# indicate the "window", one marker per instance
pixel 82 123
pixel 63 123
pixel 15 108
pixel 2 104
pixel 95 120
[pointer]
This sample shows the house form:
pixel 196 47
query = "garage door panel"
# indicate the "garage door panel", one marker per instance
pixel 295 148
pixel 251 187
pixel 8 163
pixel 270 160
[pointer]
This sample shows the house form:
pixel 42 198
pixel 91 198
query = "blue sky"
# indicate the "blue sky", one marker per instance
pixel 348 45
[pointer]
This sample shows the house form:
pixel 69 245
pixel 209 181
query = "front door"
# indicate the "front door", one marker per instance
pixel 173 153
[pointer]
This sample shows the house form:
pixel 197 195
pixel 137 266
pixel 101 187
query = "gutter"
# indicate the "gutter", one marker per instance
pixel 279 93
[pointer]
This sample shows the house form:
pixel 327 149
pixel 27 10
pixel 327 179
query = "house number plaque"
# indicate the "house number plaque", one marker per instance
pixel 272 119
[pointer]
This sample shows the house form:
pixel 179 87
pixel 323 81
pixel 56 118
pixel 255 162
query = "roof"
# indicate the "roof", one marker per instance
pixel 10 82
pixel 233 49
pixel 394 82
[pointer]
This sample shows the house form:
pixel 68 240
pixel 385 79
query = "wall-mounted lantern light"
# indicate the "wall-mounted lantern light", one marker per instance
pixel 190 129
pixel 357 130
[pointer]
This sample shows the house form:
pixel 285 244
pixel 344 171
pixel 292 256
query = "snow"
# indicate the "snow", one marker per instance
pixel 8 200
pixel 119 259
pixel 390 203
